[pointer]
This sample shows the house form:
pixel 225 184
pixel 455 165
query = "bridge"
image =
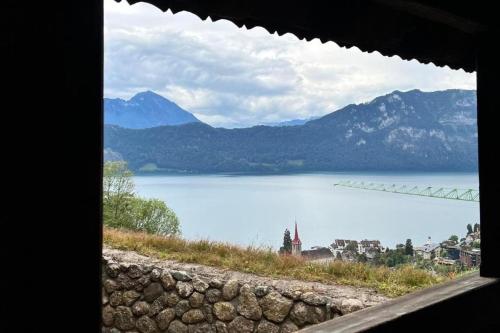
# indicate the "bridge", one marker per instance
pixel 433 192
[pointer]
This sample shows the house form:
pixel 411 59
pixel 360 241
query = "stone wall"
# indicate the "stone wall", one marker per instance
pixel 147 298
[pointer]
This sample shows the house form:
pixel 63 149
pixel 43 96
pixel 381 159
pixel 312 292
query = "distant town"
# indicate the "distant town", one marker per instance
pixel 451 254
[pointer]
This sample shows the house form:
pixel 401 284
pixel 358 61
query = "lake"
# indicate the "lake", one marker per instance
pixel 255 210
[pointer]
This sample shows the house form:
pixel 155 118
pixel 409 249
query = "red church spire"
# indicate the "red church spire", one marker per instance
pixel 296 239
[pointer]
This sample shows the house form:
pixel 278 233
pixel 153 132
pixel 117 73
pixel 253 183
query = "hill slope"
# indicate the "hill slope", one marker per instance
pixel 411 130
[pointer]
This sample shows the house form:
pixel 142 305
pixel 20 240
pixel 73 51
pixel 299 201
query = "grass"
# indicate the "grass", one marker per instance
pixel 265 262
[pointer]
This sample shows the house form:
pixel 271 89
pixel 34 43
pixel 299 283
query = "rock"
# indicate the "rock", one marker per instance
pixel 181 276
pixel 146 325
pixel 115 298
pixel 177 326
pixel 130 296
pixel 185 289
pixel 220 327
pixel 275 307
pixel 240 325
pixel 350 305
pixel 125 281
pixel 267 327
pixel 143 281
pixel 156 307
pixel 299 313
pixel 224 311
pixel 104 298
pixel 302 314
pixel 168 281
pixel 172 298
pixel 155 274
pixel 146 269
pixel 182 307
pixel 199 285
pixel 108 315
pixel 140 308
pixel 113 270
pixel 230 290
pixel 164 318
pixel 293 294
pixel 208 311
pixel 202 328
pixel 123 318
pixel 213 295
pixel 124 266
pixel 288 327
pixel 215 283
pixel 261 291
pixel 110 286
pixel 196 299
pixel 134 271
pixel 152 292
pixel 248 306
pixel 193 316
pixel 313 298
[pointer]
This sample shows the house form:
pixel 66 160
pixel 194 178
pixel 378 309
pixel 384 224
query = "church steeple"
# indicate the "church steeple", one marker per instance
pixel 296 243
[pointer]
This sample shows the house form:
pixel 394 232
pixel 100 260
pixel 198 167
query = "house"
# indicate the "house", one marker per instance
pixel 428 251
pixel 370 247
pixel 317 252
pixel 472 237
pixel 444 261
pixel 339 245
pixel 470 258
pixel 452 251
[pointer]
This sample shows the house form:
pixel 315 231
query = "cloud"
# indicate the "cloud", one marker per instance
pixel 234 77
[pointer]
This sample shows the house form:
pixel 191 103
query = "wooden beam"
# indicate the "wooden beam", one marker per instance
pixel 372 318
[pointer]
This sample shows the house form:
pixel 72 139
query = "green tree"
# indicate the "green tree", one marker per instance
pixel 287 242
pixel 454 239
pixel 409 248
pixel 362 258
pixel 153 216
pixel 118 191
pixel 338 256
pixel 469 229
pixel 122 209
pixel 352 246
pixel 476 227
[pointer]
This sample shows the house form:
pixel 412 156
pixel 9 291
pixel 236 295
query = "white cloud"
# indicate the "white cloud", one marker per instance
pixel 235 77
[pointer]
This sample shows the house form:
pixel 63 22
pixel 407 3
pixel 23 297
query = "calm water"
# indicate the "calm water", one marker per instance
pixel 255 210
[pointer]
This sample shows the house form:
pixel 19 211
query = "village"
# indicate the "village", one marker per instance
pixel 454 253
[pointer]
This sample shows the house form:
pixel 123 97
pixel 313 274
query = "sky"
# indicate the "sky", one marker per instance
pixel 234 77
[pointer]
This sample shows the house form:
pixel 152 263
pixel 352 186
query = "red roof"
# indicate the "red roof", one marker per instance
pixel 296 239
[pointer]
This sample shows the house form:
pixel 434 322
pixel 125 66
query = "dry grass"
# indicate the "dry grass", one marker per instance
pixel 265 262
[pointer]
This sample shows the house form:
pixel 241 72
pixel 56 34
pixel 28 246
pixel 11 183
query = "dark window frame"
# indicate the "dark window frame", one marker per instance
pixel 487 73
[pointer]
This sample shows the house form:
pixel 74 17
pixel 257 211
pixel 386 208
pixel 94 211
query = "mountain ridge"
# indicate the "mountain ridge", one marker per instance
pixel 145 110
pixel 411 130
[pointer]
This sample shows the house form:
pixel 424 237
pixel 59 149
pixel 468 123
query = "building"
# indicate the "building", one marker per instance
pixel 470 258
pixel 368 247
pixel 339 245
pixel 452 251
pixel 444 261
pixel 317 252
pixel 428 251
pixel 296 243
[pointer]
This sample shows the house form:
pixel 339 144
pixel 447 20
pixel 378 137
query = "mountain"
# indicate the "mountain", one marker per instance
pixel 144 110
pixel 413 130
pixel 293 122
